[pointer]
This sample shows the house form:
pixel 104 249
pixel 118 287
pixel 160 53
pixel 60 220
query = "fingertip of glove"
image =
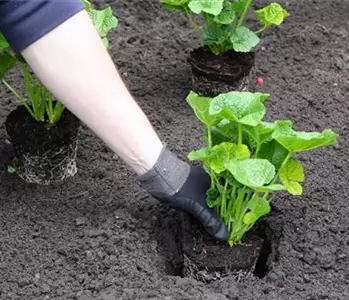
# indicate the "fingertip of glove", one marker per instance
pixel 222 233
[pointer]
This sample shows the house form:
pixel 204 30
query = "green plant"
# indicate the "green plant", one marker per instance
pixel 249 160
pixel 223 21
pixel 41 104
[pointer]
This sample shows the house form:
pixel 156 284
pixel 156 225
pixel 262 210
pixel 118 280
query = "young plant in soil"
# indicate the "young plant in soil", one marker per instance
pixel 249 160
pixel 226 59
pixel 44 134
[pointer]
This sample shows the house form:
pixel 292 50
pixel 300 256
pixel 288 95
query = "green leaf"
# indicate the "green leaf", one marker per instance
pixel 103 20
pixel 252 172
pixel 273 14
pixel 224 153
pixel 258 207
pixel 214 34
pixel 239 5
pixel 220 155
pixel 4 45
pixel 242 107
pixel 295 141
pixel 227 15
pixel 261 132
pixel 7 62
pixel 274 152
pixel 244 40
pixel 213 7
pixel 271 188
pixel 250 218
pixel 213 199
pixel 291 175
pixel 202 154
pixel 11 169
pixel 201 106
pixel 174 2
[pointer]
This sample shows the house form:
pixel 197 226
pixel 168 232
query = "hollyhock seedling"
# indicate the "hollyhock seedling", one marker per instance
pixel 224 21
pixel 248 159
pixel 42 105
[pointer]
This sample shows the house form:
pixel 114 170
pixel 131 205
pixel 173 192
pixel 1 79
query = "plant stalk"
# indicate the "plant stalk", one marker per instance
pixel 244 13
pixel 191 21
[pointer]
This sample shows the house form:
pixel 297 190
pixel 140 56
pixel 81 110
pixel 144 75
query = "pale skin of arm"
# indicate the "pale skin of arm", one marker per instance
pixel 72 62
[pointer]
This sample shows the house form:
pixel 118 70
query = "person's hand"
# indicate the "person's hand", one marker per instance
pixel 182 186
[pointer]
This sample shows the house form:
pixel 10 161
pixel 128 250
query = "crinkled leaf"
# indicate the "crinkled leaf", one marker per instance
pixel 244 40
pixel 213 7
pixel 297 141
pixel 103 20
pixel 261 132
pixel 242 107
pixel 273 14
pixel 201 106
pixel 291 175
pixel 7 62
pixel 214 34
pixel 222 154
pixel 218 156
pixel 258 207
pixel 227 15
pixel 274 152
pixel 252 172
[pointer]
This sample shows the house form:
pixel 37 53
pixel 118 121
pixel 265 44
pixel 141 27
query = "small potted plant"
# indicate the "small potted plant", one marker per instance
pixel 43 133
pixel 226 59
pixel 249 161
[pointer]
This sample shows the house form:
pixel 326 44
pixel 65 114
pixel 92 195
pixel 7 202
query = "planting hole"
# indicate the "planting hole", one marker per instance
pixel 190 252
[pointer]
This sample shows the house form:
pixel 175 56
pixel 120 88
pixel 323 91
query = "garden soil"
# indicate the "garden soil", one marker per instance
pixel 99 236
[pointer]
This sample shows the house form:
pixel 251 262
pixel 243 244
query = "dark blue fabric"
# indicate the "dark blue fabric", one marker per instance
pixel 22 22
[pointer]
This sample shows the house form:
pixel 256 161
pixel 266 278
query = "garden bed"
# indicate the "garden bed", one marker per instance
pixel 98 236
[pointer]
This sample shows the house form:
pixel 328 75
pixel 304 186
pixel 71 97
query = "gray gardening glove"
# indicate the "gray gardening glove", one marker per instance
pixel 182 186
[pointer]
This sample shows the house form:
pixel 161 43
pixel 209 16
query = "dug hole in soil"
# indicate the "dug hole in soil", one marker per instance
pixel 98 236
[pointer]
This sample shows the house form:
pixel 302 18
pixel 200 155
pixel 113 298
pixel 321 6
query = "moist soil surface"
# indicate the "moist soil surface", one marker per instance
pixel 99 236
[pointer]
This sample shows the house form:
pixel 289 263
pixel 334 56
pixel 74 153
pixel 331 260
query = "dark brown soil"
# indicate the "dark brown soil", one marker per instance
pixel 31 136
pixel 41 149
pixel 214 74
pixel 99 236
pixel 206 259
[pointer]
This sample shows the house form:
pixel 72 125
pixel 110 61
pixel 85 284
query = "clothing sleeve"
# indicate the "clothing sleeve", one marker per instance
pixel 22 22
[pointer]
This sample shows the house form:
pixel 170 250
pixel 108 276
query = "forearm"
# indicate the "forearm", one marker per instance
pixel 72 62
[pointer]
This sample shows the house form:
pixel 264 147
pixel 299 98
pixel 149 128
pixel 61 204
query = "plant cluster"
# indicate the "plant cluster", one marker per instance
pixel 40 102
pixel 248 159
pixel 224 21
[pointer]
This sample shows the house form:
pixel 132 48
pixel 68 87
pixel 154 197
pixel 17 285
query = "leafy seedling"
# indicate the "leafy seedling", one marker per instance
pixel 41 103
pixel 248 159
pixel 223 22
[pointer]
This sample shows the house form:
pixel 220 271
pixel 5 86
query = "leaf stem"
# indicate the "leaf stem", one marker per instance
pixel 261 29
pixel 19 97
pixel 240 134
pixel 244 13
pixel 224 200
pixel 191 21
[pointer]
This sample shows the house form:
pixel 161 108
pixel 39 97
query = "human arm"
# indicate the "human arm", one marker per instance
pixel 72 62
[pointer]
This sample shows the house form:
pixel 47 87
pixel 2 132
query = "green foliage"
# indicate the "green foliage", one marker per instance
pixel 40 103
pixel 103 20
pixel 224 21
pixel 248 159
